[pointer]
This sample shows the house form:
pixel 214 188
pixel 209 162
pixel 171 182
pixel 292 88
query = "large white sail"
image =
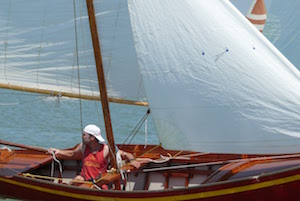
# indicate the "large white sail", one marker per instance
pixel 118 53
pixel 282 25
pixel 38 48
pixel 214 83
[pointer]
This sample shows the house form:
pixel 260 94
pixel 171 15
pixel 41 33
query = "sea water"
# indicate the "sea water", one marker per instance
pixel 45 121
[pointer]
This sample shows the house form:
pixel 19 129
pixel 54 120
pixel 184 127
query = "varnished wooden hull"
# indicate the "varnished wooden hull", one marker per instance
pixel 242 177
pixel 283 186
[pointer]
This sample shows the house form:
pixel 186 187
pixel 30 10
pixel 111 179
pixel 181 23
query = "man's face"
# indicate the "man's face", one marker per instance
pixel 86 138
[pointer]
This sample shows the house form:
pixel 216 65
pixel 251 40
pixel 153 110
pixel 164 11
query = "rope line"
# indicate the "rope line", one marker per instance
pixel 150 150
pixel 40 49
pixel 53 178
pixel 221 162
pixel 114 33
pixel 6 40
pixel 77 59
pixel 59 163
pixel 177 154
pixel 25 102
pixel 136 129
pixel 86 62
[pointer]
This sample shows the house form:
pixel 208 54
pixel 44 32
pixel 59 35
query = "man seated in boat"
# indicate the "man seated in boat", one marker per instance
pixel 94 153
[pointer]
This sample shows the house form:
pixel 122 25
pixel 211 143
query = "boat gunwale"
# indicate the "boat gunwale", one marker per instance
pixel 258 178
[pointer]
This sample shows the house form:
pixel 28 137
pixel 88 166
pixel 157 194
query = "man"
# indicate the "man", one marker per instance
pixel 94 153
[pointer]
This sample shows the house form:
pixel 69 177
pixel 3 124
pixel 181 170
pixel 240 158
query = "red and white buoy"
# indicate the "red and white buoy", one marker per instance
pixel 257 14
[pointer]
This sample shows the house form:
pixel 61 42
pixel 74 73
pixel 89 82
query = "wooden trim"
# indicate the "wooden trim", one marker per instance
pixel 187 181
pixel 207 192
pixel 5 153
pixel 234 168
pixel 188 172
pixel 167 178
pixel 146 185
pixel 71 95
pixel 40 149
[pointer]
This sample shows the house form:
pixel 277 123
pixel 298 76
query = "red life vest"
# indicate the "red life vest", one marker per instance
pixel 93 164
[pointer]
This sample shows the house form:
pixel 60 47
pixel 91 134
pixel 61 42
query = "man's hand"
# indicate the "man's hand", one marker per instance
pixel 53 150
pixel 135 164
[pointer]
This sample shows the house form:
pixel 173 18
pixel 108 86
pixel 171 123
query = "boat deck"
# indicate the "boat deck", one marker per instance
pixel 13 162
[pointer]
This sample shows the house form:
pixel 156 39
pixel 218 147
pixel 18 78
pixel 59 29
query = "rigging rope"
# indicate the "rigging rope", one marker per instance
pixel 150 150
pixel 86 63
pixel 6 40
pixel 53 178
pixel 52 165
pixel 136 129
pixel 146 134
pixel 41 46
pixel 24 102
pixel 77 57
pixel 113 39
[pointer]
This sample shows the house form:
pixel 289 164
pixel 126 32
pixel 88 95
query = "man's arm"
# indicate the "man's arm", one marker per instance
pixel 130 158
pixel 106 152
pixel 73 154
pixel 126 155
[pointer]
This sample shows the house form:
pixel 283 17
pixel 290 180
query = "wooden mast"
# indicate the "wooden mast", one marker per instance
pixel 101 82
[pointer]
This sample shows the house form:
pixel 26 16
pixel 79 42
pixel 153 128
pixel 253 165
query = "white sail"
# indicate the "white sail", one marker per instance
pixel 282 25
pixel 214 82
pixel 118 53
pixel 39 52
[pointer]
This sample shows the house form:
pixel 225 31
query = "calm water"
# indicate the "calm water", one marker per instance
pixel 44 121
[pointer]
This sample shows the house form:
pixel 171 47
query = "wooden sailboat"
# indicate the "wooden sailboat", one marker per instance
pixel 169 172
pixel 185 176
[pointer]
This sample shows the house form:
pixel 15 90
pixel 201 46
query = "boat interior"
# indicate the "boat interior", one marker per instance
pixel 160 168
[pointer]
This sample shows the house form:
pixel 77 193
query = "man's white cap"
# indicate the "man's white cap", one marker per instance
pixel 95 131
